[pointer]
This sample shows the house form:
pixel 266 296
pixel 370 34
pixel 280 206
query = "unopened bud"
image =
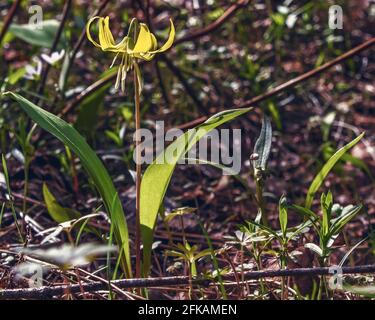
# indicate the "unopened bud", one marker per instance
pixel 254 156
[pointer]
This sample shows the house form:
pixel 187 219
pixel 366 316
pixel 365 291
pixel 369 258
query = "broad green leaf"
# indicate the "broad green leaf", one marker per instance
pixel 318 180
pixel 92 164
pixel 263 144
pixel 158 175
pixel 57 212
pixel 41 34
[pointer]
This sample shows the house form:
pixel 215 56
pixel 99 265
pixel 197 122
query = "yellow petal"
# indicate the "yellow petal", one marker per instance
pixel 144 41
pixel 148 56
pixel 154 42
pixel 89 34
pixel 169 42
pixel 105 35
pixel 106 40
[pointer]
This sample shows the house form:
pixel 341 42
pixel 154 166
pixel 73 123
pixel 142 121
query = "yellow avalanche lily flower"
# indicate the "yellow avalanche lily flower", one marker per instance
pixel 139 43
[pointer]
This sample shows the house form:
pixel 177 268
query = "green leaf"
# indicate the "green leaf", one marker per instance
pixel 283 215
pixel 89 110
pixel 16 75
pixel 41 34
pixel 312 216
pixel 57 212
pixel 114 137
pixel 326 205
pixel 318 180
pixel 264 228
pixel 158 175
pixel 305 212
pixel 328 151
pixel 273 109
pixel 178 212
pixel 92 164
pixel 347 214
pixel 263 144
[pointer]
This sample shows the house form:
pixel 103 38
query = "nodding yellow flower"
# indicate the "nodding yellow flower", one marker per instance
pixel 139 43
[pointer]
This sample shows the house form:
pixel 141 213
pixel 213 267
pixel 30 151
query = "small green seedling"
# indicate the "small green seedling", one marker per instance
pixel 333 220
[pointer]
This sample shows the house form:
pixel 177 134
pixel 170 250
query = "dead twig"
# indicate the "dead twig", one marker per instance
pixel 48 292
pixel 293 82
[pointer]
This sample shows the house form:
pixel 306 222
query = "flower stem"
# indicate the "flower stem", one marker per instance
pixel 260 200
pixel 138 178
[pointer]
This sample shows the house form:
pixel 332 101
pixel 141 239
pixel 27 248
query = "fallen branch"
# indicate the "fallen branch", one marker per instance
pixel 49 292
pixel 291 83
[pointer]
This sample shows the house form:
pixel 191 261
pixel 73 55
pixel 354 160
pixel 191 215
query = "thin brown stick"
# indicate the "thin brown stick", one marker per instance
pixel 293 82
pixel 44 76
pixel 48 292
pixel 9 18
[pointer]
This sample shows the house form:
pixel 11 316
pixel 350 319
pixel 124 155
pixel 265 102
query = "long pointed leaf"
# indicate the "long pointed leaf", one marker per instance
pixel 157 176
pixel 90 161
pixel 318 180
